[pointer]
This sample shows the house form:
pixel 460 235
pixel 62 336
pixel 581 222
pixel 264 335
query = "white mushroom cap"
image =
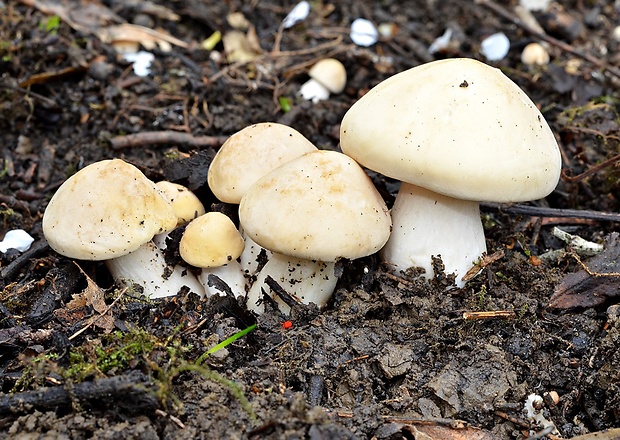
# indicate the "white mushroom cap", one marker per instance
pixel 185 204
pixel 211 240
pixel 251 153
pixel 457 127
pixel 330 73
pixel 320 206
pixel 535 54
pixel 105 210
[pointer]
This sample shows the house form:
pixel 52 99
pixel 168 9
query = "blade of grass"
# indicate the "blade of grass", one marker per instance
pixel 226 342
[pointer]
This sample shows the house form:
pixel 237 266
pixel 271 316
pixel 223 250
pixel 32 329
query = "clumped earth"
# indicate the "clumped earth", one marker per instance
pixel 390 357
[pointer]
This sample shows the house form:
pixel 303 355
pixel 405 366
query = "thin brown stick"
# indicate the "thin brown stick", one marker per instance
pixel 165 137
pixel 96 318
pixel 539 211
pixel 474 316
pixel 504 13
pixel 590 171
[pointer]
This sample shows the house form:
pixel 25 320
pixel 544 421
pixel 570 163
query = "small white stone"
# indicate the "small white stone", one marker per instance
pixel 16 239
pixel 363 32
pixel 441 42
pixel 141 62
pixel 495 47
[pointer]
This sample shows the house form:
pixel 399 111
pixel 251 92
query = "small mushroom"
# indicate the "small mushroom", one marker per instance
pixel 326 76
pixel 535 54
pixel 311 212
pixel 455 132
pixel 185 204
pixel 213 243
pixel 245 157
pixel 110 211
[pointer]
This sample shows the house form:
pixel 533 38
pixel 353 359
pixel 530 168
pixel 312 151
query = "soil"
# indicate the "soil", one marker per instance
pixel 390 357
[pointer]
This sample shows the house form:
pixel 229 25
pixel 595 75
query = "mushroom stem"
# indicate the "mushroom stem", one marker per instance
pixel 147 267
pixel 305 280
pixel 427 224
pixel 251 255
pixel 231 274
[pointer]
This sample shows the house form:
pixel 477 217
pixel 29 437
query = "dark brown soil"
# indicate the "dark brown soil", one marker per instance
pixel 389 358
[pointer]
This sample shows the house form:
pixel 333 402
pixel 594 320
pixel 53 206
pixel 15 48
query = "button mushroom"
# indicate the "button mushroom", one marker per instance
pixel 326 76
pixel 213 243
pixel 311 212
pixel 455 132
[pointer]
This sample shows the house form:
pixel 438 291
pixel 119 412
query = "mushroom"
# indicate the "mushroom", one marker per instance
pixel 213 243
pixel 311 212
pixel 185 204
pixel 245 157
pixel 455 132
pixel 535 54
pixel 326 76
pixel 110 211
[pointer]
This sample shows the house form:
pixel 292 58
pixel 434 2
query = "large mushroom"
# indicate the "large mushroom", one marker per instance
pixel 311 212
pixel 455 132
pixel 110 211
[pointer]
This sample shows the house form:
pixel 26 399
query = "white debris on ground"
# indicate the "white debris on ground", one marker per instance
pixel 16 239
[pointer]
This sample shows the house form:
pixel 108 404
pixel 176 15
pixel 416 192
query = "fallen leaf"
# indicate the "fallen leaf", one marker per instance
pixel 139 34
pixel 240 47
pixel 598 281
pixel 92 296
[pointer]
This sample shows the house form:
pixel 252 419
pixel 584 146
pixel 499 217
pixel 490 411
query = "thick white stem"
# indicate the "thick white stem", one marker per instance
pixel 306 281
pixel 231 274
pixel 428 224
pixel 147 267
pixel 251 254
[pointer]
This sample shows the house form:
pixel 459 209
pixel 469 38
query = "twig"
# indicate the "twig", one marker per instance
pixel 590 171
pixel 165 137
pixel 134 391
pixel 538 211
pixel 474 316
pixel 504 13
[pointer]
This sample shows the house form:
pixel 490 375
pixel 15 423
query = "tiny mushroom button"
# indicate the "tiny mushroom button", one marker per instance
pixel 213 243
pixel 455 132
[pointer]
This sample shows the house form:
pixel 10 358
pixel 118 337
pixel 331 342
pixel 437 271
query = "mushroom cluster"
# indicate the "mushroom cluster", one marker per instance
pixel 109 211
pixel 454 132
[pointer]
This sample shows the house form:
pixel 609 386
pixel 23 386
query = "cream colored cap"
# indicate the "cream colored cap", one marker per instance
pixel 185 204
pixel 330 73
pixel 251 153
pixel 211 240
pixel 105 210
pixel 457 127
pixel 320 206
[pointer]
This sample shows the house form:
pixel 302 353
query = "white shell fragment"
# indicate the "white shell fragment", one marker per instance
pixel 141 62
pixel 364 33
pixel 495 47
pixel 297 14
pixel 16 239
pixel 440 43
pixel 535 5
